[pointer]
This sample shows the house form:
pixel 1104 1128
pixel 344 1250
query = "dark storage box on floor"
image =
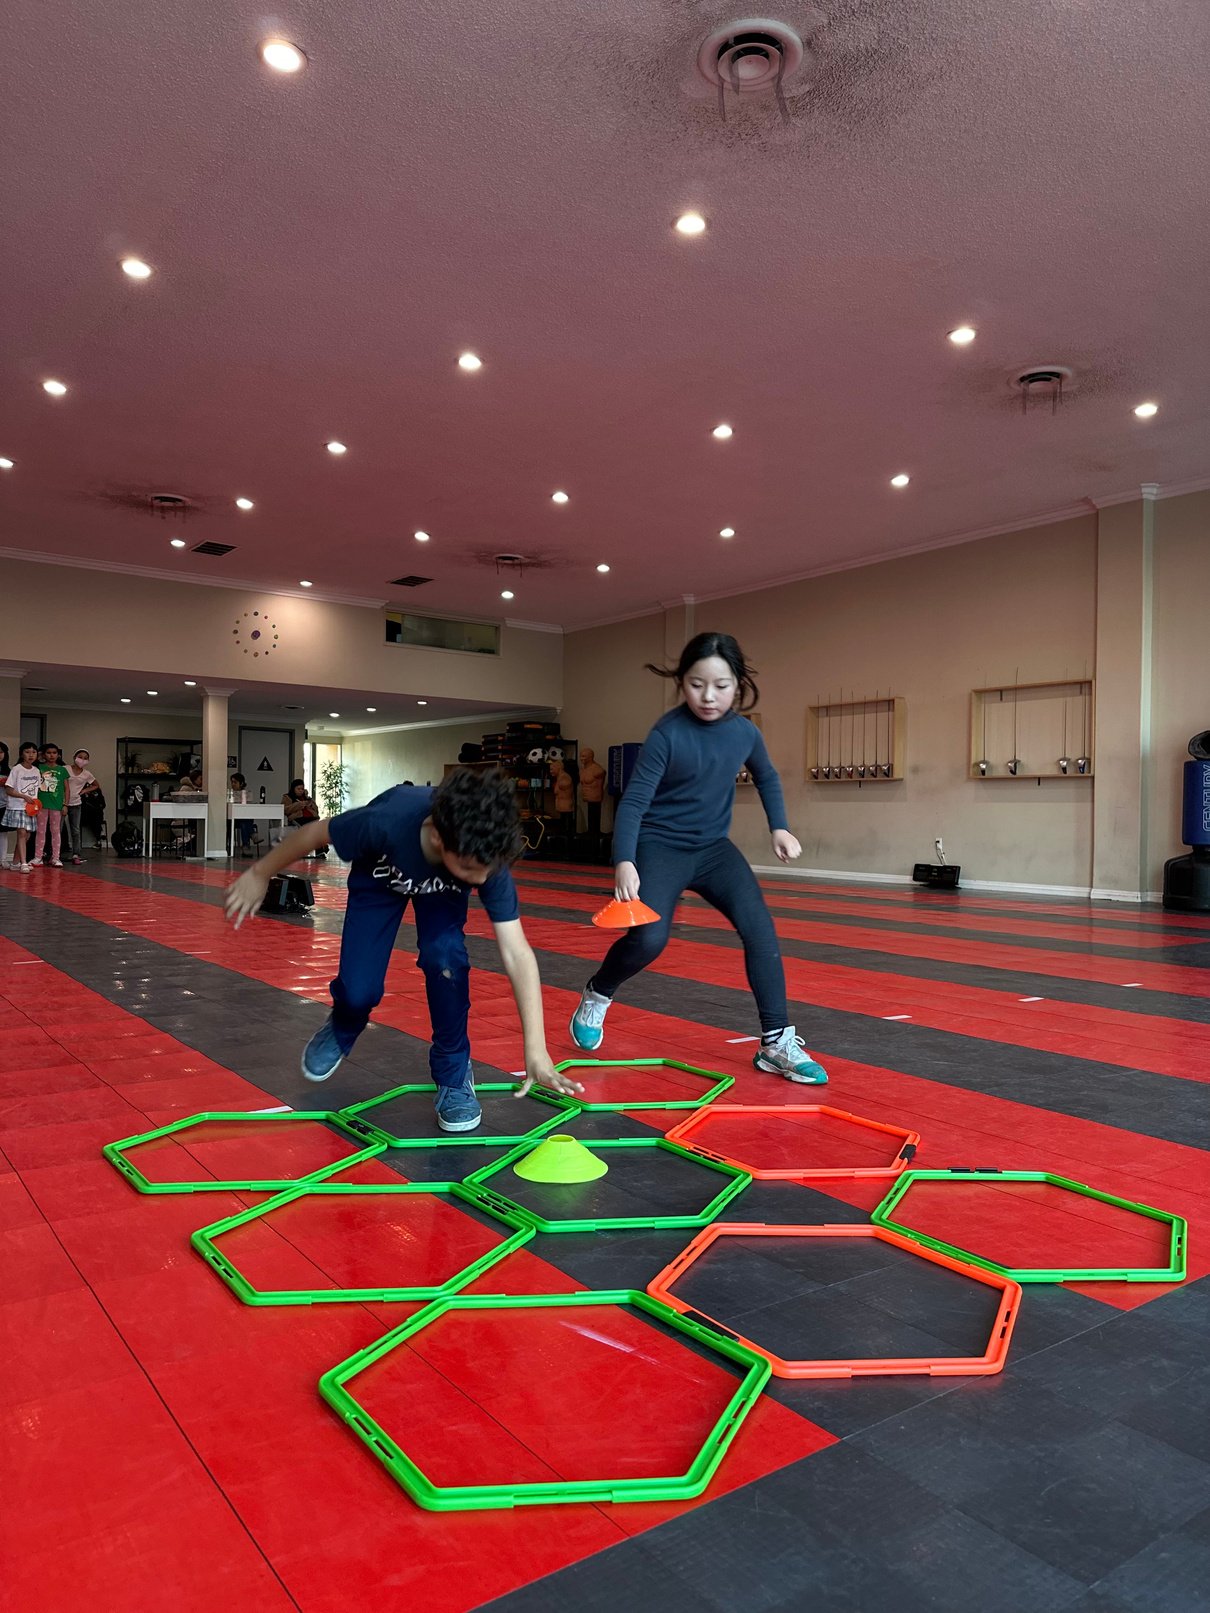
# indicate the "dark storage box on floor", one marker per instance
pixel 941 876
pixel 289 893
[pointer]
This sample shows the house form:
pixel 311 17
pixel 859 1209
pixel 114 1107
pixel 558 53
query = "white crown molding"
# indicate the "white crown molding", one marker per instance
pixel 158 574
pixel 545 713
pixel 533 627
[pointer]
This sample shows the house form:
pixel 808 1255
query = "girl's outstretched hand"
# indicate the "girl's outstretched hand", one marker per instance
pixel 785 847
pixel 626 882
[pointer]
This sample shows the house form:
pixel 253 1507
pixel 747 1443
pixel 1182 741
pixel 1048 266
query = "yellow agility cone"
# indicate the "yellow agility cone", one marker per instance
pixel 561 1159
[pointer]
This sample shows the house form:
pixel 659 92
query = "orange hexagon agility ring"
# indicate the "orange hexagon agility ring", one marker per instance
pixel 991 1360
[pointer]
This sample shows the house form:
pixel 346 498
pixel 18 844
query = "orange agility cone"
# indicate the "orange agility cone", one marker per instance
pixel 624 915
pixel 561 1159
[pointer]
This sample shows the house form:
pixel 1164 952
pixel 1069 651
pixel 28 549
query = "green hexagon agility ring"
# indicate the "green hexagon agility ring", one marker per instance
pixel 1005 1224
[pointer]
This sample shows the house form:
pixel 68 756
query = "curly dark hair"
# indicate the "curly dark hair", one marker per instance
pixel 476 815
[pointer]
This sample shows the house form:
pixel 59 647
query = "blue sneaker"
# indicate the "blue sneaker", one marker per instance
pixel 321 1056
pixel 588 1021
pixel 458 1107
pixel 788 1057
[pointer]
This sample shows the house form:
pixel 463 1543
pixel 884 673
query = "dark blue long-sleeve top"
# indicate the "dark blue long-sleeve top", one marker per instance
pixel 682 789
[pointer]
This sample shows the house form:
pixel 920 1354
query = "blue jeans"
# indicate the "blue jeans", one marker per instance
pixel 372 919
pixel 719 874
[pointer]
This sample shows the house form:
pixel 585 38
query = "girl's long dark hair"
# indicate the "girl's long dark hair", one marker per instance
pixel 701 648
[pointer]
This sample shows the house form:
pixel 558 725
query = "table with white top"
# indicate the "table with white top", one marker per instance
pixel 252 811
pixel 164 812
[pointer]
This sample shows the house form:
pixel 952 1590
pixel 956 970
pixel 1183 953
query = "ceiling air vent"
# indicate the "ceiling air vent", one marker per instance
pixel 408 582
pixel 213 548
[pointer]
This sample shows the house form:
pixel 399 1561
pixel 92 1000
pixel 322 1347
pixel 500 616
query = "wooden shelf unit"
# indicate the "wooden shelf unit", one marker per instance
pixel 849 735
pixel 1029 718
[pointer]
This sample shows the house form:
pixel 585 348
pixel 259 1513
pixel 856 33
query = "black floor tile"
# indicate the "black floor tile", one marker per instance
pixel 1100 1499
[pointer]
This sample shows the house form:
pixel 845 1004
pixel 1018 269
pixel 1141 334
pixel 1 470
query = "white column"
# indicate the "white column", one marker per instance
pixel 1122 755
pixel 214 766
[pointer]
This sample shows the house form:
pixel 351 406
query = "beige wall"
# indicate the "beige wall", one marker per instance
pixel 1180 664
pixel 376 761
pixel 929 628
pixel 147 625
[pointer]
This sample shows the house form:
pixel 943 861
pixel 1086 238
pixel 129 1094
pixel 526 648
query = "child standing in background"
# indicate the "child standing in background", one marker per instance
pixel 80 782
pixel 671 835
pixel 20 788
pixel 52 806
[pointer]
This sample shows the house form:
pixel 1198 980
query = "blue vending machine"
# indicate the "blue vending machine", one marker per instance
pixel 1187 879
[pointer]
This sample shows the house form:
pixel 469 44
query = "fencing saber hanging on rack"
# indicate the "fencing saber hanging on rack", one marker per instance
pixel 850 769
pixel 816 770
pixel 1065 759
pixel 865 718
pixel 888 767
pixel 1015 761
pixel 827 771
pixel 1083 761
pixel 983 763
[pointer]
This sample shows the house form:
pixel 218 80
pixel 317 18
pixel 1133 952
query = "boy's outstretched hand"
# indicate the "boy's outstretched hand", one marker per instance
pixel 245 895
pixel 540 1071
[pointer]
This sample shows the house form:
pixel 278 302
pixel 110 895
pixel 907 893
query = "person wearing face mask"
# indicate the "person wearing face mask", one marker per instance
pixel 80 782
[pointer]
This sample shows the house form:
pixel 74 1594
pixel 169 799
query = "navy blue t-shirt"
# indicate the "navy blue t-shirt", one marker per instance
pixel 382 839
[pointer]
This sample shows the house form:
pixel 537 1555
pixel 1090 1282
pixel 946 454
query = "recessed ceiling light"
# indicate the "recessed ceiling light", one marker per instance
pixel 421 537
pixel 153 692
pixel 336 448
pixel 469 361
pixel 282 56
pixel 371 708
pixel 422 702
pixel 125 701
pixel 507 593
pixel 244 504
pixel 303 583
pixel 727 532
pixel 690 224
pixel 963 336
pixel 177 543
pixel 722 432
pixel 6 464
pixel 55 388
pixel 900 481
pixel 602 567
pixel 1146 410
pixel 559 498
pixel 334 714
pixel 136 268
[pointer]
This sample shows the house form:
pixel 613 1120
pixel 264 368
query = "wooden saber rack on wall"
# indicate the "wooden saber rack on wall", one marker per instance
pixel 857 741
pixel 1032 731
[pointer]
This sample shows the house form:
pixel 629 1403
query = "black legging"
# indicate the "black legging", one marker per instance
pixel 718 874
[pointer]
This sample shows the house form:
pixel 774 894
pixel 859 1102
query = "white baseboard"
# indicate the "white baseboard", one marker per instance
pixel 1003 887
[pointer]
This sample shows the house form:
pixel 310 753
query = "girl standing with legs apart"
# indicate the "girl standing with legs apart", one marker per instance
pixel 671 836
